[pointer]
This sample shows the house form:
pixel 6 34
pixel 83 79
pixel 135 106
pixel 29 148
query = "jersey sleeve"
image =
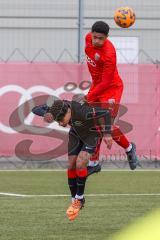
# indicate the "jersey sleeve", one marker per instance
pixel 40 110
pixel 107 77
pixel 88 38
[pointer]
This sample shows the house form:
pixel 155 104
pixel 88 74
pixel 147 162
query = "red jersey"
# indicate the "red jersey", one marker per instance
pixel 106 82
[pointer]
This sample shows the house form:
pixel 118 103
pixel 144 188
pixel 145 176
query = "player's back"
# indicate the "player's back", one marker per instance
pixel 84 121
pixel 102 62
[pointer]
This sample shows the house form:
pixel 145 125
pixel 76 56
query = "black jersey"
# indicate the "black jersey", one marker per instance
pixel 89 123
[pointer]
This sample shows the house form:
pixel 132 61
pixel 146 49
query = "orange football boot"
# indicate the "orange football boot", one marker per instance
pixel 73 210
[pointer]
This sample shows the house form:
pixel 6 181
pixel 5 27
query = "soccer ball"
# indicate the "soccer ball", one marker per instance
pixel 124 17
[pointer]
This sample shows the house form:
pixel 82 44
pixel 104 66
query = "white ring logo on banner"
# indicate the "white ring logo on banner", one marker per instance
pixel 26 95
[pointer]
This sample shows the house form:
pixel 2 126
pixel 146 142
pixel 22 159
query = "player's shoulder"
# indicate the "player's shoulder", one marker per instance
pixel 76 106
pixel 80 111
pixel 79 106
pixel 109 50
pixel 109 45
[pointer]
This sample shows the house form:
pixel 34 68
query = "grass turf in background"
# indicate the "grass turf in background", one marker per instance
pixel 40 218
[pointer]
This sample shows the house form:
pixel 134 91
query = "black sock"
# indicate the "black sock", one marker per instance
pixel 81 185
pixel 72 182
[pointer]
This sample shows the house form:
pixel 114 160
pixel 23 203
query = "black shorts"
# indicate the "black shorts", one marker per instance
pixel 76 144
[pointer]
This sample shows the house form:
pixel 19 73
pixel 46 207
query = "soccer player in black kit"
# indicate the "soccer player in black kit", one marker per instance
pixel 88 125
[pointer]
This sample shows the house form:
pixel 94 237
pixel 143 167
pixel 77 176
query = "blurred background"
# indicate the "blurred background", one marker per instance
pixel 50 28
pixel 42 50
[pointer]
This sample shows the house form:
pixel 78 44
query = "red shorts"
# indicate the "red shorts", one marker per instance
pixel 115 95
pixel 112 93
pixel 112 97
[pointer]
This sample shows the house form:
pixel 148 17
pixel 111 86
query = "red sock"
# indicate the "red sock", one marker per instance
pixel 119 137
pixel 82 172
pixel 72 181
pixel 71 173
pixel 95 156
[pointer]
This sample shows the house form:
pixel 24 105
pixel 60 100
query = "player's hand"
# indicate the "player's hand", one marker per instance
pixel 108 140
pixel 48 117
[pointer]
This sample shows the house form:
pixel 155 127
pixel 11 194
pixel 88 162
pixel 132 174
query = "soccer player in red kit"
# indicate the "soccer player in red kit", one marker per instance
pixel 107 86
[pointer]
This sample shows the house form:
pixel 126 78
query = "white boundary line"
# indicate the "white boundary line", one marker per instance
pixel 12 194
pixel 87 195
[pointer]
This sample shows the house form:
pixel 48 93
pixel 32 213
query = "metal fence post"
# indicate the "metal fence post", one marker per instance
pixel 80 29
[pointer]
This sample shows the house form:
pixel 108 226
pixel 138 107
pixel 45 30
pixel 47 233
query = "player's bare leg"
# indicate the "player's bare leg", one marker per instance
pixel 120 139
pixel 130 148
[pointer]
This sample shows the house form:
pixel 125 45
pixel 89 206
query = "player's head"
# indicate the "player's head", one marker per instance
pixel 59 112
pixel 100 32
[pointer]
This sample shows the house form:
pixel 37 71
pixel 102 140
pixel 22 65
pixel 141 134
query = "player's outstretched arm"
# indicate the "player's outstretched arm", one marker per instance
pixel 40 110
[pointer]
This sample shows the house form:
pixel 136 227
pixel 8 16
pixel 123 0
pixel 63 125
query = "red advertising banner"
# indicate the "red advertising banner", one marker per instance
pixel 20 82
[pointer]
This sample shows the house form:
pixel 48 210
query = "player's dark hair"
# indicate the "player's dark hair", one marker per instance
pixel 100 27
pixel 59 109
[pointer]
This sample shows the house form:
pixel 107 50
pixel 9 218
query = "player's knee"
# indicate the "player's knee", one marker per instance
pixel 71 165
pixel 72 162
pixel 82 160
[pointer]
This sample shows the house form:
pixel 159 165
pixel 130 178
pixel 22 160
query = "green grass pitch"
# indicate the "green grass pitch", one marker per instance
pixel 43 217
